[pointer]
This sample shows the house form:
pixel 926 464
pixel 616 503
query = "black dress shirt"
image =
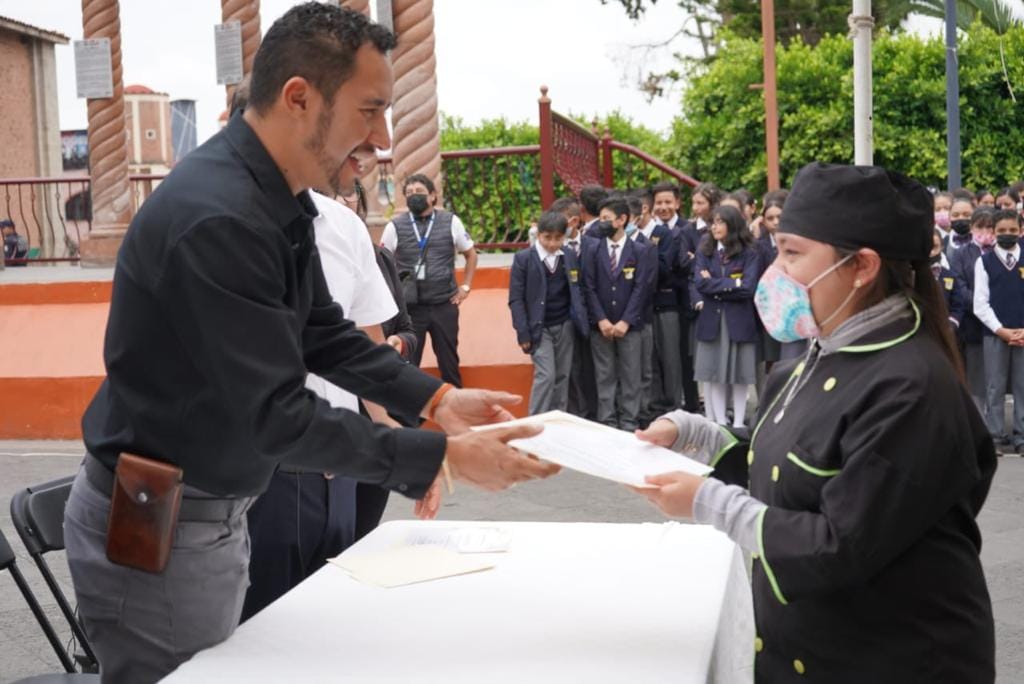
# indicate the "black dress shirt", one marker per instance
pixel 219 310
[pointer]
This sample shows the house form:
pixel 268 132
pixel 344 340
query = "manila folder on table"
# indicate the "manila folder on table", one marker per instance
pixel 598 450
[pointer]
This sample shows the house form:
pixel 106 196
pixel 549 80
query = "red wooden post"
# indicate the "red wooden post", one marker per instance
pixel 547 151
pixel 606 159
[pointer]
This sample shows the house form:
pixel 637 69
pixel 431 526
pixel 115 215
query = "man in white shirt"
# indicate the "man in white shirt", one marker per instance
pixel 424 241
pixel 999 305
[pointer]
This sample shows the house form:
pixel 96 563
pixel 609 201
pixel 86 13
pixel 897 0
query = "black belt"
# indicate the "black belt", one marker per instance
pixel 192 509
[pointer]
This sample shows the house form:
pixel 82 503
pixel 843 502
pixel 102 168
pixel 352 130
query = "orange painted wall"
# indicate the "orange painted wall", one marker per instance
pixel 53 345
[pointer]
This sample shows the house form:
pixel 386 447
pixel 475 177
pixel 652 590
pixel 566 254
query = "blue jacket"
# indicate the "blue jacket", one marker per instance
pixel 689 239
pixel 622 295
pixel 527 286
pixel 971 331
pixel 729 292
pixel 665 242
pixel 953 292
pixel 652 258
pixel 766 250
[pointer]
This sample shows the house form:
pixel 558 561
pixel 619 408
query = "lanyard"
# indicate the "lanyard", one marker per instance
pixel 422 241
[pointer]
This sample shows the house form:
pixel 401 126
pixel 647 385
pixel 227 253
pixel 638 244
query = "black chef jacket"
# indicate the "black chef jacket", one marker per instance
pixel 219 310
pixel 868 568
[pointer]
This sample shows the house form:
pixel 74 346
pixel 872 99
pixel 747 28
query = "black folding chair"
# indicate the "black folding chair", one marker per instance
pixel 38 515
pixel 7 562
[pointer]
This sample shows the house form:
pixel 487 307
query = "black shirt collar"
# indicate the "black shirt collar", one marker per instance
pixel 284 206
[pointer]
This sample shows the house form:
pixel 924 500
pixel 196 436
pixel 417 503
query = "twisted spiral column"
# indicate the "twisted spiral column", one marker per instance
pixel 248 13
pixel 417 142
pixel 108 144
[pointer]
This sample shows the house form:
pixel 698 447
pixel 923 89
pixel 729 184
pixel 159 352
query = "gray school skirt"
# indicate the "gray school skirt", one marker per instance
pixel 725 362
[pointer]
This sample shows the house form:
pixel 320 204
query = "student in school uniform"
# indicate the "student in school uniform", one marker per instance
pixel 999 305
pixel 953 292
pixel 1007 198
pixel 726 275
pixel 582 386
pixel 703 200
pixel 959 234
pixel 547 310
pixel 591 198
pixel 972 331
pixel 667 333
pixel 616 287
pixel 637 211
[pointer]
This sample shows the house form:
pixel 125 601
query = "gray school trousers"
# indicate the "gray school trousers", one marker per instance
pixel 617 368
pixel 141 625
pixel 1001 362
pixel 552 364
pixel 667 378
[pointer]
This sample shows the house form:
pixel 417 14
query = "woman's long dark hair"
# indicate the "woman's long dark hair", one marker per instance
pixel 915 280
pixel 737 236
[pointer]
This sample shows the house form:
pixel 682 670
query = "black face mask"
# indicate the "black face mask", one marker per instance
pixel 602 229
pixel 960 226
pixel 417 203
pixel 1007 241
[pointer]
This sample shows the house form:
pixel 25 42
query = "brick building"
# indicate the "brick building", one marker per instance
pixel 29 127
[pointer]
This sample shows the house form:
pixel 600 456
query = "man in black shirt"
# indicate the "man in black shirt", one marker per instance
pixel 219 310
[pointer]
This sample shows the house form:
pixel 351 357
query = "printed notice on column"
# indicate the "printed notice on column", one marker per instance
pixel 93 75
pixel 227 40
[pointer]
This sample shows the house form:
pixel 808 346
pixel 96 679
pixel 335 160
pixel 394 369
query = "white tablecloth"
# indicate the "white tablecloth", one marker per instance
pixel 567 603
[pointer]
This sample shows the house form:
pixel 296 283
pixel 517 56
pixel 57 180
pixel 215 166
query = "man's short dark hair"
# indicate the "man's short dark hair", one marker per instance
pixel 591 197
pixel 564 205
pixel 553 222
pixel 963 194
pixel 636 207
pixel 618 206
pixel 317 41
pixel 1005 215
pixel 744 197
pixel 644 195
pixel 240 96
pixel 665 186
pixel 420 178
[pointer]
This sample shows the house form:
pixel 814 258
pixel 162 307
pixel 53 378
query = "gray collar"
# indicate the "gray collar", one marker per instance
pixel 889 310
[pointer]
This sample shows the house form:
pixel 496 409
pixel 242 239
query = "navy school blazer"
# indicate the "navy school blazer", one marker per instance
pixel 527 288
pixel 620 296
pixel 728 292
pixel 972 330
pixel 653 257
pixel 954 293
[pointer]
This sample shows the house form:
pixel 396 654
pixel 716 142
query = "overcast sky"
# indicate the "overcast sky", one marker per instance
pixel 492 55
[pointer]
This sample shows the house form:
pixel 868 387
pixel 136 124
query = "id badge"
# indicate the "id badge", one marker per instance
pixel 421 271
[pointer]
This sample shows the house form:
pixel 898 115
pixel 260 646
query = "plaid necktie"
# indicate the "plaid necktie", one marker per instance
pixel 1010 260
pixel 614 258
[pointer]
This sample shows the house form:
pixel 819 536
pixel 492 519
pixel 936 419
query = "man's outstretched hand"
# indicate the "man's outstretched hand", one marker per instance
pixel 485 460
pixel 461 409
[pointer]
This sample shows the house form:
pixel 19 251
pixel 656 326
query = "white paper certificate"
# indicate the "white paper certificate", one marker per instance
pixel 598 450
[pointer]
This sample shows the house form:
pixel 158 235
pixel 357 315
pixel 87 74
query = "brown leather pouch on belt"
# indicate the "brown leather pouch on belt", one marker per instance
pixel 143 512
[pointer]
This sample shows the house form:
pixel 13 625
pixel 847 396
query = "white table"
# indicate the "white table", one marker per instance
pixel 567 603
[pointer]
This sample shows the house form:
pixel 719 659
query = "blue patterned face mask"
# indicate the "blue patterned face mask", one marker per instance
pixel 785 305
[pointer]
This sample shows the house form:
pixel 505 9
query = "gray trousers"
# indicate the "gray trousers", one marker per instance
pixel 667 378
pixel 617 368
pixel 647 414
pixel 142 625
pixel 552 363
pixel 1001 362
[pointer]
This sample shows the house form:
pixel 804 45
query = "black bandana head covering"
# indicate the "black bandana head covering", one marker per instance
pixel 861 206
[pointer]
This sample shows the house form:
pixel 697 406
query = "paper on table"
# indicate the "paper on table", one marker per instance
pixel 408 565
pixel 599 450
pixel 463 539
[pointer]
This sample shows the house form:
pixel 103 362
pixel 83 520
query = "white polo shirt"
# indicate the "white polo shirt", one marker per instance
pixel 353 277
pixel 460 236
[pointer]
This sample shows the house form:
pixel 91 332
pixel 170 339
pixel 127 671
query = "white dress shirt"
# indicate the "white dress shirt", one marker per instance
pixel 353 277
pixel 982 307
pixel 550 259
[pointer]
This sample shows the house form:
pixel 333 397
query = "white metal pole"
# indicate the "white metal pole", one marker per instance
pixel 862 23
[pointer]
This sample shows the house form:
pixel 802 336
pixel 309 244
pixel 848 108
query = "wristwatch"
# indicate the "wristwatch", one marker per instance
pixel 465 288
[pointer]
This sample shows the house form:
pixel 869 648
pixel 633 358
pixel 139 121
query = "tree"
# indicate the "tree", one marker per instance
pixel 720 136
pixel 996 14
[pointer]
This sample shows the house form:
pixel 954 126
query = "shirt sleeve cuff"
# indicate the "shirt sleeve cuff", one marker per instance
pixel 418 457
pixel 416 389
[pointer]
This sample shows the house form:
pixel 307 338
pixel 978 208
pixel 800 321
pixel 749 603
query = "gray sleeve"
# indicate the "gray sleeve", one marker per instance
pixel 729 509
pixel 701 439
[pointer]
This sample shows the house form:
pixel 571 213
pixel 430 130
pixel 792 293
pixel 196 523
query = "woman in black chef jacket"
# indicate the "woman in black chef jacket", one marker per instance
pixel 868 462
